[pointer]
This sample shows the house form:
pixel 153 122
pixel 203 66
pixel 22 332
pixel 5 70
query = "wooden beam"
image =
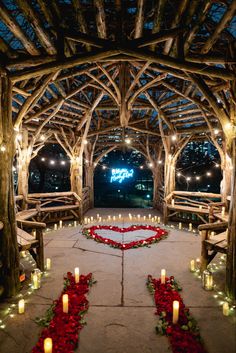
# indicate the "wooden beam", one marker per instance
pixel 100 18
pixel 62 64
pixel 155 38
pixel 12 24
pixel 139 19
pixel 35 21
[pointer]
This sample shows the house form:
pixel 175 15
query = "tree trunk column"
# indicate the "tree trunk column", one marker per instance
pixel 24 158
pixel 156 187
pixel 90 184
pixel 76 179
pixel 231 254
pixel 225 186
pixel 9 253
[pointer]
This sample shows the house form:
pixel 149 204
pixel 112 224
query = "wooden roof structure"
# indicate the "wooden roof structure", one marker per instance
pixel 74 71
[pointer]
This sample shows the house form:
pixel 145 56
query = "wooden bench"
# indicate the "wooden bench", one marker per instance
pixel 57 206
pixel 179 204
pixel 32 243
pixel 212 244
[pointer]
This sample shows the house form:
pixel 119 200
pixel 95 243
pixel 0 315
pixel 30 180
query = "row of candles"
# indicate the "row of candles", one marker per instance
pixel 207 281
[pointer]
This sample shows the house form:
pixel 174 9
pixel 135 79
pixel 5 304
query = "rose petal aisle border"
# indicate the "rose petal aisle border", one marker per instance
pixel 64 328
pixel 184 336
pixel 90 233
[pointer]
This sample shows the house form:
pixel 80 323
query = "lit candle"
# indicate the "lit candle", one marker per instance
pixel 223 211
pixel 85 220
pixel 180 225
pixel 100 219
pixel 114 218
pixel 149 216
pixel 48 264
pixel 35 281
pixel 212 234
pixel 55 226
pixel 207 280
pixel 163 276
pixel 97 215
pixel 144 218
pixel 158 219
pixel 198 262
pixel 119 216
pixel 139 216
pixel 60 224
pixel 175 311
pixel 109 218
pixel 23 253
pixel 65 303
pixel 47 344
pixel 88 220
pixel 34 233
pixel 91 218
pixel 172 202
pixel 75 223
pixel 190 227
pixel 77 275
pixel 226 309
pixel 200 207
pixel 192 266
pixel 21 306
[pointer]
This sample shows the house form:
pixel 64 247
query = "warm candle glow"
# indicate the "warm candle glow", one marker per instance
pixel 172 202
pixel 180 225
pixel 226 309
pixel 48 264
pixel 55 226
pixel 85 220
pixel 192 266
pixel 91 218
pixel 138 216
pixel 175 311
pixel 47 345
pixel 223 211
pixel 190 227
pixel 77 275
pixel 158 219
pixel 163 276
pixel 65 303
pixel 119 216
pixel 21 306
pixel 75 223
pixel 60 224
pixel 97 215
pixel 35 281
pixel 149 216
pixel 198 262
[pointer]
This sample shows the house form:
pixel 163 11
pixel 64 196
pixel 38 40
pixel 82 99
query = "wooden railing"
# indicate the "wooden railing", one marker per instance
pixel 191 206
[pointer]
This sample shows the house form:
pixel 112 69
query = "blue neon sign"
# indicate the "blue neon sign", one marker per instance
pixel 119 174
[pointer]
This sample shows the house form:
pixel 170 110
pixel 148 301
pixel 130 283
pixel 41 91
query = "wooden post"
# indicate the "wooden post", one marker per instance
pixel 231 254
pixel 226 167
pixel 89 176
pixel 9 253
pixel 76 178
pixel 24 157
pixel 157 182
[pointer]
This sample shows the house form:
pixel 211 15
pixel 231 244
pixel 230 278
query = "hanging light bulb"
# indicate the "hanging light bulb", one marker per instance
pixel 197 177
pixel 52 162
pixel 160 161
pixel 2 148
pixel 188 178
pixel 128 141
pixel 178 174
pixel 208 173
pixel 85 142
pixel 216 131
pixel 174 137
pixel 150 165
pixel 43 159
pixel 42 138
pixel 104 167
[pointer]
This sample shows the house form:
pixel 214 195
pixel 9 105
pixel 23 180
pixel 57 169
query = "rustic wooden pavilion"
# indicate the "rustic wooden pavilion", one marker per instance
pixel 89 75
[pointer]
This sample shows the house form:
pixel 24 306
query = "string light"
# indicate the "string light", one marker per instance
pixel 208 173
pixel 160 161
pixel 178 174
pixel 188 178
pixel 216 131
pixel 128 141
pixel 150 165
pixel 85 142
pixel 43 159
pixel 141 167
pixel 174 137
pixel 42 137
pixel 2 148
pixel 63 162
pixel 52 162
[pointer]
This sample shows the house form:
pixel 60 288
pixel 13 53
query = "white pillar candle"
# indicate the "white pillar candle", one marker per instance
pixel 34 233
pixel 212 234
pixel 138 216
pixel 48 264
pixel 198 262
pixel 91 218
pixel 158 219
pixel 163 276
pixel 109 217
pixel 35 281
pixel 100 219
pixel 47 345
pixel 65 303
pixel 175 312
pixel 180 225
pixel 88 220
pixel 75 223
pixel 114 218
pixel 192 266
pixel 60 224
pixel 97 215
pixel 172 202
pixel 190 227
pixel 226 309
pixel 21 306
pixel 85 220
pixel 149 216
pixel 77 275
pixel 119 216
pixel 223 211
pixel 144 218
pixel 55 226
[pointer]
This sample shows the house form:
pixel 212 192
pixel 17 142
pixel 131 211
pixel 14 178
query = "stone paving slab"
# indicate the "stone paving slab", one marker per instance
pixel 121 330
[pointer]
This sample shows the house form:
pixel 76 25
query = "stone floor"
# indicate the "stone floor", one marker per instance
pixel 121 315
